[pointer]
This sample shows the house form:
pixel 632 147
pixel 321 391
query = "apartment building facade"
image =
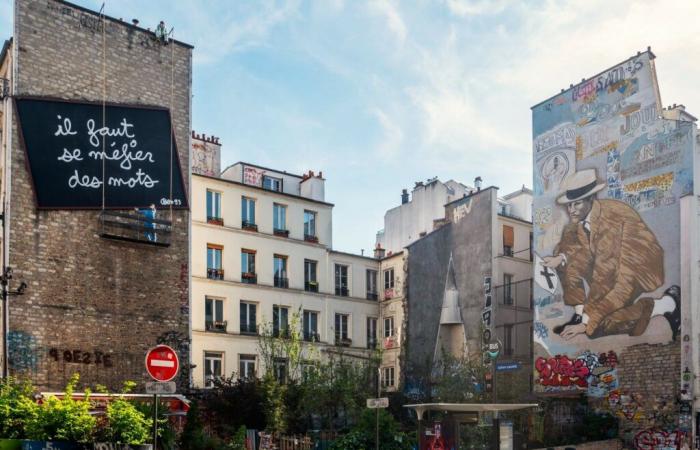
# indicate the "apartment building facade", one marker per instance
pixel 262 257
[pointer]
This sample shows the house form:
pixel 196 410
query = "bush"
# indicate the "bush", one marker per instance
pixel 65 419
pixel 363 436
pixel 17 408
pixel 125 423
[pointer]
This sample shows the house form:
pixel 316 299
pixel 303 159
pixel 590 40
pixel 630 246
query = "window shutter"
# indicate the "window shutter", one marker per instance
pixel 508 237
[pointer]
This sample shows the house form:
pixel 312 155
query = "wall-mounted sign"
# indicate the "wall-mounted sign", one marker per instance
pixel 79 156
pixel 507 366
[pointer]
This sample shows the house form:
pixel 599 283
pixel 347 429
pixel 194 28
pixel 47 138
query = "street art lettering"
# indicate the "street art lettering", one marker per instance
pixel 81 357
pixel 22 349
pixel 560 371
pixel 253 176
pixel 461 211
pixel 605 223
pixel 653 439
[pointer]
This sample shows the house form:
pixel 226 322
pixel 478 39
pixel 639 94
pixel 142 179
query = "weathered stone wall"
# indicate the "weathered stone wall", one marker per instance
pixel 94 306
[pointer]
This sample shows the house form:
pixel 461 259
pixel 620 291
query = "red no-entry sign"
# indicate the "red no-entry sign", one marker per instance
pixel 162 363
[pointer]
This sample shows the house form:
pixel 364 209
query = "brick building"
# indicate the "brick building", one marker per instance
pixel 100 291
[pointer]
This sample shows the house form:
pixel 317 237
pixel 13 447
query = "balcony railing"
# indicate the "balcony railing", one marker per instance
pixel 372 343
pixel 248 225
pixel 311 238
pixel 341 291
pixel 215 274
pixel 215 220
pixel 343 341
pixel 135 227
pixel 249 278
pixel 311 286
pixel 281 282
pixel 507 250
pixel 518 294
pixel 281 232
pixel 4 88
pixel 282 334
pixel 218 326
pixel 249 328
pixel 312 336
pixel 372 296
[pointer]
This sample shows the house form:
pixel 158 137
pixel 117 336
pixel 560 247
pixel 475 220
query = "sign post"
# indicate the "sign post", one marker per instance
pixel 162 365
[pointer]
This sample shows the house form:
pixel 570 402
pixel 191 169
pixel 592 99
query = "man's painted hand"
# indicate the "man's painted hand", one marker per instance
pixel 572 331
pixel 552 261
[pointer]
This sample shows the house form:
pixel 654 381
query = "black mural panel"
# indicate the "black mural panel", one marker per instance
pixel 75 160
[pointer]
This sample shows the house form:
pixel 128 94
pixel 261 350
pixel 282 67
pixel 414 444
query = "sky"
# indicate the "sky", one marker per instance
pixel 380 94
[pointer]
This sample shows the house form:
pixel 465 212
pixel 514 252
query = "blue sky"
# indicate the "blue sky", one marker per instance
pixel 380 94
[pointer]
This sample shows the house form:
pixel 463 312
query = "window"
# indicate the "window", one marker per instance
pixel 272 183
pixel 280 366
pixel 280 271
pixel 530 248
pixel 371 284
pixel 508 340
pixel 214 315
pixel 388 327
pixel 248 266
pixel 310 226
pixel 341 329
pixel 508 240
pixel 214 256
pixel 388 377
pixel 213 367
pixel 248 319
pixel 214 207
pixel 310 283
pixel 389 279
pixel 280 316
pixel 248 214
pixel 507 289
pixel 279 219
pixel 311 326
pixel 246 366
pixel 341 280
pixel 371 332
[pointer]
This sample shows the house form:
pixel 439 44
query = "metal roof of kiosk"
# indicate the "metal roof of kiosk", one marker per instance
pixel 420 408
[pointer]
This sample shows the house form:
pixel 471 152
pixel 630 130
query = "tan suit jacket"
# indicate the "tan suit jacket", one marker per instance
pixel 620 260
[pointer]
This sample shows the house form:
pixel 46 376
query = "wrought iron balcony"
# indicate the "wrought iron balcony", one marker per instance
pixel 372 296
pixel 248 225
pixel 312 336
pixel 311 238
pixel 311 286
pixel 215 274
pixel 135 227
pixel 215 220
pixel 343 341
pixel 249 278
pixel 249 328
pixel 342 291
pixel 281 232
pixel 281 282
pixel 217 326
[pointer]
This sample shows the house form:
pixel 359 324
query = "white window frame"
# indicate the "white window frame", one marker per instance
pixel 278 326
pixel 275 183
pixel 214 301
pixel 245 305
pixel 209 357
pixel 388 377
pixel 389 280
pixel 388 330
pixel 308 330
pixel 279 217
pixel 244 362
pixel 247 209
pixel 213 201
pixel 339 332
pixel 310 226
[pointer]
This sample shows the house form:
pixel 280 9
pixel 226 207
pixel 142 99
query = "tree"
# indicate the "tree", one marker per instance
pixel 125 423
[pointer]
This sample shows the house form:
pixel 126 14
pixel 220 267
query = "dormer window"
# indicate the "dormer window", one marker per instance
pixel 272 183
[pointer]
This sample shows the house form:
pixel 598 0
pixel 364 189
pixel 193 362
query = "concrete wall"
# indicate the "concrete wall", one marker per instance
pixel 468 239
pixel 89 298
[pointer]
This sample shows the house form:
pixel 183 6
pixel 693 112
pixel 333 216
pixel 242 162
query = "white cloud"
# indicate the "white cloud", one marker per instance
pixel 389 11
pixel 392 134
pixel 465 8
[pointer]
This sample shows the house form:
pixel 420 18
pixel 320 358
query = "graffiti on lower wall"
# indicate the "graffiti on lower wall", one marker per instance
pixel 22 351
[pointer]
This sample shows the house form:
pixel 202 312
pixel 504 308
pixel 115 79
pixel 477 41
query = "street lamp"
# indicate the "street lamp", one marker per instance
pixel 6 292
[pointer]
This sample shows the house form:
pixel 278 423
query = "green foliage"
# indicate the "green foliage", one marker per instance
pixel 363 435
pixel 65 419
pixel 237 442
pixel 17 408
pixel 233 403
pixel 193 436
pixel 458 380
pixel 124 422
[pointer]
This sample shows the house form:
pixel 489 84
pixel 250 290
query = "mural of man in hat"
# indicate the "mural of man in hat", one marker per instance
pixel 607 258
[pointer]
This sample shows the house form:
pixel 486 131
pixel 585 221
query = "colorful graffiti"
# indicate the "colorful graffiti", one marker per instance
pixel 653 439
pixel 23 354
pixel 609 171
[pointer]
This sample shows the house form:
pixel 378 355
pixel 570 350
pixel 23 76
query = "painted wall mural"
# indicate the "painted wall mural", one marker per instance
pixel 608 175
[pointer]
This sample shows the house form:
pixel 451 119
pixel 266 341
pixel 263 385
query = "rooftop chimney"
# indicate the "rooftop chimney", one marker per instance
pixel 404 196
pixel 477 183
pixel 379 252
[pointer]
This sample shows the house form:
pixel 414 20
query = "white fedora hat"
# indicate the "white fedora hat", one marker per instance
pixel 580 185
